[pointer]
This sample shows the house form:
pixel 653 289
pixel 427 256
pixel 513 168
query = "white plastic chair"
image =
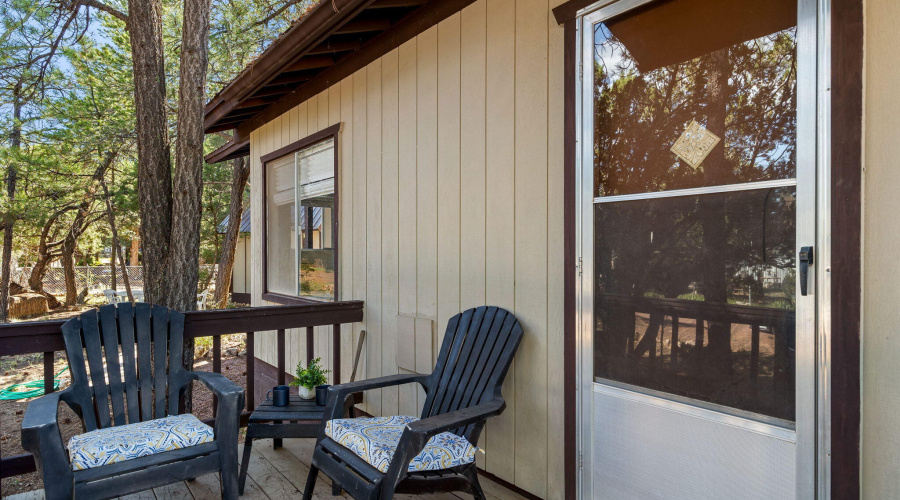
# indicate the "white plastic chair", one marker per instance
pixel 111 296
pixel 201 300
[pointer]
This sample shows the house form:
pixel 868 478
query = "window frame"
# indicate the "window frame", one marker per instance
pixel 332 132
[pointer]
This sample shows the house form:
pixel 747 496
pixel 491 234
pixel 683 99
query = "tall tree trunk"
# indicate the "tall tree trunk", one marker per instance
pixel 79 225
pixel 112 265
pixel 39 271
pixel 154 161
pixel 68 262
pixel 135 248
pixel 117 249
pixel 45 254
pixel 170 217
pixel 15 142
pixel 184 254
pixel 239 176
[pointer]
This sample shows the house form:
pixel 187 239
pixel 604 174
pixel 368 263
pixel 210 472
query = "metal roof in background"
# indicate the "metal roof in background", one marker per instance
pixel 245 221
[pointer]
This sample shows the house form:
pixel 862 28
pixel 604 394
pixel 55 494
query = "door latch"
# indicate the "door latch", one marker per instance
pixel 806 260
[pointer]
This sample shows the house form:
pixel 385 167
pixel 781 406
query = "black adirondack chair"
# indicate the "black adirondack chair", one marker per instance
pixel 463 392
pixel 148 338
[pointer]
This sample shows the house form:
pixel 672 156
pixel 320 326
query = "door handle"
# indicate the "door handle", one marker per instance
pixel 806 260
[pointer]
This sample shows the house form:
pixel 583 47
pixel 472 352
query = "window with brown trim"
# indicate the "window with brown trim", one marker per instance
pixel 300 220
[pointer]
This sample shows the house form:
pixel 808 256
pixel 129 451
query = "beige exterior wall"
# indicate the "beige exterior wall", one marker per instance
pixel 451 196
pixel 240 274
pixel 881 239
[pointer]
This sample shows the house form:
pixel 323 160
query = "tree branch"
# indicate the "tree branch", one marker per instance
pixel 277 12
pixel 105 8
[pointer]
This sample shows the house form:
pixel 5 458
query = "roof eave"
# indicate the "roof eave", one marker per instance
pixel 292 45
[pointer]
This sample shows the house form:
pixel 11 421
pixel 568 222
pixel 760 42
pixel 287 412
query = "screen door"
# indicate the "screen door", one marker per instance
pixel 698 203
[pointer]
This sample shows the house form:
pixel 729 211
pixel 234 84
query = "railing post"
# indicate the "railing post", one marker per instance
pixel 251 372
pixel 276 443
pixel 217 365
pixel 698 347
pixel 281 358
pixel 336 354
pixel 310 345
pixel 48 372
pixel 754 352
pixel 674 349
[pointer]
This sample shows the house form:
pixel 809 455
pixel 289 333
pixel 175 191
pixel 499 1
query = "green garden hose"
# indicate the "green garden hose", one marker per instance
pixel 29 389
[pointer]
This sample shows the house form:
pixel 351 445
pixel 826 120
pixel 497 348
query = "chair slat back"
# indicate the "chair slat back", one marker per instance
pixel 126 363
pixel 475 356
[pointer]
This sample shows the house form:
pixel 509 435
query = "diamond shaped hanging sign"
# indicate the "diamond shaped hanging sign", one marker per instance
pixel 695 144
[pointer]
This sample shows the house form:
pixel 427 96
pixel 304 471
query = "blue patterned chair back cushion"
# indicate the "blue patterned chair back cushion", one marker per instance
pixel 126 442
pixel 375 441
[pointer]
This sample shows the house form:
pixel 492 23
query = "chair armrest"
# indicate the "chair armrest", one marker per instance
pixel 437 424
pixel 217 383
pixel 41 437
pixel 337 394
pixel 230 404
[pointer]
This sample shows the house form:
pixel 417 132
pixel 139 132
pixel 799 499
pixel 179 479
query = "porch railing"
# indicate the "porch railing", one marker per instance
pixel 45 337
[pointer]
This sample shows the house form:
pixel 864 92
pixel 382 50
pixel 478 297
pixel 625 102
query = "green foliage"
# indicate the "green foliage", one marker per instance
pixel 70 68
pixel 311 376
pixel 203 342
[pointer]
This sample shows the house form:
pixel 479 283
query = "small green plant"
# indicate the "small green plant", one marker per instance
pixel 311 376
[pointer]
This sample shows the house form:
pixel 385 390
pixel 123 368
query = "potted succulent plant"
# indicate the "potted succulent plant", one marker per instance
pixel 308 378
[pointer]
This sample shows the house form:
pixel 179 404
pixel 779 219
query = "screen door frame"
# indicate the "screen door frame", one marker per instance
pixel 813 182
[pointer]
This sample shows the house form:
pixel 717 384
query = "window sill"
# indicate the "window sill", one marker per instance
pixel 288 300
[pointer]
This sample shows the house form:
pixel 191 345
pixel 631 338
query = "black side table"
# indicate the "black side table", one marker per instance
pixel 303 417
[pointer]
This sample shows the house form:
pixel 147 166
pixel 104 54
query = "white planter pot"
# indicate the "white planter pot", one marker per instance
pixel 306 393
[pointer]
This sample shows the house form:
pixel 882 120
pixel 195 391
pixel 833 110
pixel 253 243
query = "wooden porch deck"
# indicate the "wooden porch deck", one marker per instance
pixel 275 475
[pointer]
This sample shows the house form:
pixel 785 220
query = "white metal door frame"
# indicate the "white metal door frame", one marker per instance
pixel 813 222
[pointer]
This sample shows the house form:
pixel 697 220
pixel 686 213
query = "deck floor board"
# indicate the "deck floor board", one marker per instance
pixel 275 475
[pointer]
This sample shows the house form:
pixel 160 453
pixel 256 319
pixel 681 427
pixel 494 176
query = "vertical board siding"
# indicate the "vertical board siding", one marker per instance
pixel 408 214
pixel 346 242
pixel 360 208
pixel 500 226
pixel 473 36
pixel 451 195
pixel 426 174
pixel 373 231
pixel 448 173
pixel 389 226
pixel 555 261
pixel 531 234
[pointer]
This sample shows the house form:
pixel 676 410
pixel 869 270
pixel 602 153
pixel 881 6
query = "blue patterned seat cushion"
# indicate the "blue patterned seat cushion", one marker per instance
pixel 376 439
pixel 125 442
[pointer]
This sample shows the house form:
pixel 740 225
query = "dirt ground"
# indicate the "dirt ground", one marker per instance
pixel 19 369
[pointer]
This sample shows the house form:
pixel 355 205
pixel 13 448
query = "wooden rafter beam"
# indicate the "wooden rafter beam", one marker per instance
pixel 365 26
pixel 288 78
pixel 393 4
pixel 271 91
pixel 257 101
pixel 335 47
pixel 311 62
